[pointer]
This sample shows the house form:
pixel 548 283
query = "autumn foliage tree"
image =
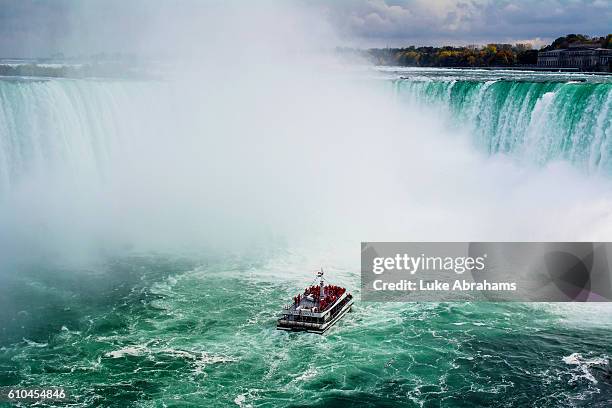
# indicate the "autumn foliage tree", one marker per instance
pixel 502 55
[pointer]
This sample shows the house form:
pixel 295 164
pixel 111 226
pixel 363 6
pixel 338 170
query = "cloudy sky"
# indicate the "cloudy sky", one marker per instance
pixel 41 28
pixel 395 22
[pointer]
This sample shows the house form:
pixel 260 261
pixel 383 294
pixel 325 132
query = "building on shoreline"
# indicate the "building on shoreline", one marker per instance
pixel 585 57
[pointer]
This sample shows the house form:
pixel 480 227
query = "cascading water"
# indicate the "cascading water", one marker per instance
pixel 113 152
pixel 77 125
pixel 534 120
pixel 71 126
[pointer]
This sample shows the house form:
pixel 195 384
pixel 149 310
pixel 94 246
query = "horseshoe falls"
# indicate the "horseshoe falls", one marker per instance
pixel 152 231
pixel 527 116
pixel 78 125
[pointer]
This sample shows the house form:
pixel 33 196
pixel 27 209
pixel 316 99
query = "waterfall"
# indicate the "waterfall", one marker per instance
pixel 68 126
pixel 536 121
pixel 75 127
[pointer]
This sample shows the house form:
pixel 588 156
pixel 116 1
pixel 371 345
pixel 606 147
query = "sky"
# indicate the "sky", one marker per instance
pixel 439 22
pixel 38 28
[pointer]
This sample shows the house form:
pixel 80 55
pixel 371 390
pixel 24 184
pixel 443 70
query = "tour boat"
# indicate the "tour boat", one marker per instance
pixel 317 309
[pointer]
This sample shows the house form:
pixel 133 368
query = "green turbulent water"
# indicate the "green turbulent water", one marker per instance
pixel 158 332
pixel 536 117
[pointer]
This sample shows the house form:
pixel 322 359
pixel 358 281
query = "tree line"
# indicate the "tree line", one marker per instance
pixel 490 55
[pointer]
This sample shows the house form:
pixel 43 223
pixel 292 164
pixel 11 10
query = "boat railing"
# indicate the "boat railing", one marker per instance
pixel 301 312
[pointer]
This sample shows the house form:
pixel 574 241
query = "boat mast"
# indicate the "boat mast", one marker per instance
pixel 322 283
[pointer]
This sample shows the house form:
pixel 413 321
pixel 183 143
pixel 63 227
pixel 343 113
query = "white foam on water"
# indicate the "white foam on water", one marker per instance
pixel 583 366
pixel 32 343
pixel 206 359
pixel 311 372
pixel 240 400
pixel 127 351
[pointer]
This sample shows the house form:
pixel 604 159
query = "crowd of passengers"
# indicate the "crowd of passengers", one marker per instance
pixel 331 293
